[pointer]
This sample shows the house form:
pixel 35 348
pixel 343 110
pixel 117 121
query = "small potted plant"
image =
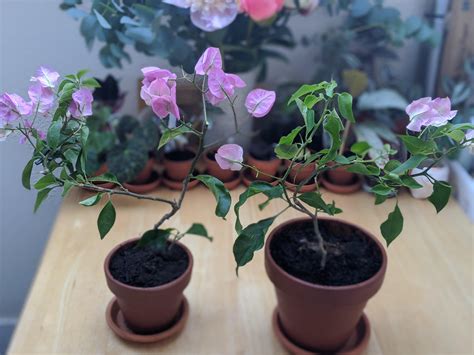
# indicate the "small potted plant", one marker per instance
pixel 147 274
pixel 132 160
pixel 325 269
pixel 262 156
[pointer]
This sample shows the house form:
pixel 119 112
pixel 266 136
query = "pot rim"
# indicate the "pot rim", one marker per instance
pixel 182 150
pixel 147 289
pixel 313 286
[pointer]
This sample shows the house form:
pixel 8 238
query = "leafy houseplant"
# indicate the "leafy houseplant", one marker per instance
pixel 325 270
pixel 245 31
pixel 149 294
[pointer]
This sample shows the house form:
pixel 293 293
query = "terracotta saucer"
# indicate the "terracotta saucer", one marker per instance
pixel 354 186
pixel 116 322
pixel 178 185
pixel 356 344
pixel 248 178
pixel 148 186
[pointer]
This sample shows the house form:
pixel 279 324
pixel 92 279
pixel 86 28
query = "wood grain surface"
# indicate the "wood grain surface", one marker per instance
pixel 425 305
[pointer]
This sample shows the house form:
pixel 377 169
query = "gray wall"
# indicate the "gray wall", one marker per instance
pixel 36 32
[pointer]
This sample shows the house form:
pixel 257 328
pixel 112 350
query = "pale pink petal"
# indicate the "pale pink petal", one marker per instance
pixel 259 102
pixel 211 58
pixel 236 80
pixel 152 73
pixel 229 157
pixel 418 106
pixel 214 18
pixel 42 98
pixel 12 106
pixel 46 77
pixel 81 104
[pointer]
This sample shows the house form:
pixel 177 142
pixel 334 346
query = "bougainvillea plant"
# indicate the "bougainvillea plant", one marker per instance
pixel 248 32
pixel 61 151
pixel 323 108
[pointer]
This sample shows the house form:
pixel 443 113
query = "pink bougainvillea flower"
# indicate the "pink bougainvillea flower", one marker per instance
pixel 161 96
pixel 230 157
pixel 259 102
pixel 209 15
pixel 221 85
pixel 81 104
pixel 210 59
pixel 12 106
pixel 261 10
pixel 152 73
pixel 42 98
pixel 427 112
pixel 46 77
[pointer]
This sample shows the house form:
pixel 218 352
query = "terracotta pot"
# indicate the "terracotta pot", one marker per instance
pixel 310 186
pixel 214 169
pixel 149 310
pixel 269 167
pixel 299 172
pixel 340 176
pixel 343 189
pixel 149 185
pixel 178 169
pixel 102 170
pixel 320 318
pixel 145 174
pixel 248 178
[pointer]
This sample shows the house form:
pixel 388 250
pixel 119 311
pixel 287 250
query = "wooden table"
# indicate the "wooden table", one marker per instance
pixel 425 305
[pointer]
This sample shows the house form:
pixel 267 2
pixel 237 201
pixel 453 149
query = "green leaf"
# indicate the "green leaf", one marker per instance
pixel 290 137
pixel 200 230
pixel 84 135
pixel 382 190
pixel 286 151
pixel 91 201
pixel 417 146
pixel 408 181
pixel 67 186
pixel 106 219
pixel 311 100
pixel 440 196
pixel 332 125
pixel 220 193
pixel 251 239
pixel 315 200
pixel 45 181
pixel 393 226
pixel 303 90
pixel 156 238
pixel 106 177
pixel 457 135
pixel 40 197
pixel 255 188
pixel 81 73
pixel 54 134
pixel 71 156
pixel 391 165
pixel 102 21
pixel 379 199
pixel 26 175
pixel 344 102
pixel 359 168
pixel 170 134
pixel 360 148
pixel 90 83
pixel 410 164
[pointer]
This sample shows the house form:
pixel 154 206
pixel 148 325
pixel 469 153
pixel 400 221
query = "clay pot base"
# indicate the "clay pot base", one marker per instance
pixel 356 344
pixel 178 185
pixel 306 188
pixel 146 187
pixel 117 323
pixel 342 189
pixel 232 184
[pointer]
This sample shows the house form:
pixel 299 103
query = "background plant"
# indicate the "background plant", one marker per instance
pixel 157 28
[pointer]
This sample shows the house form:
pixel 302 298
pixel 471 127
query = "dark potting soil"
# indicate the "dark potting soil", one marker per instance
pixel 262 154
pixel 180 155
pixel 147 266
pixel 352 257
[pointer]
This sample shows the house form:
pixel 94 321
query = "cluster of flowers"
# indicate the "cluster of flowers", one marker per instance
pixel 42 101
pixel 211 15
pixel 159 92
pixel 426 112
